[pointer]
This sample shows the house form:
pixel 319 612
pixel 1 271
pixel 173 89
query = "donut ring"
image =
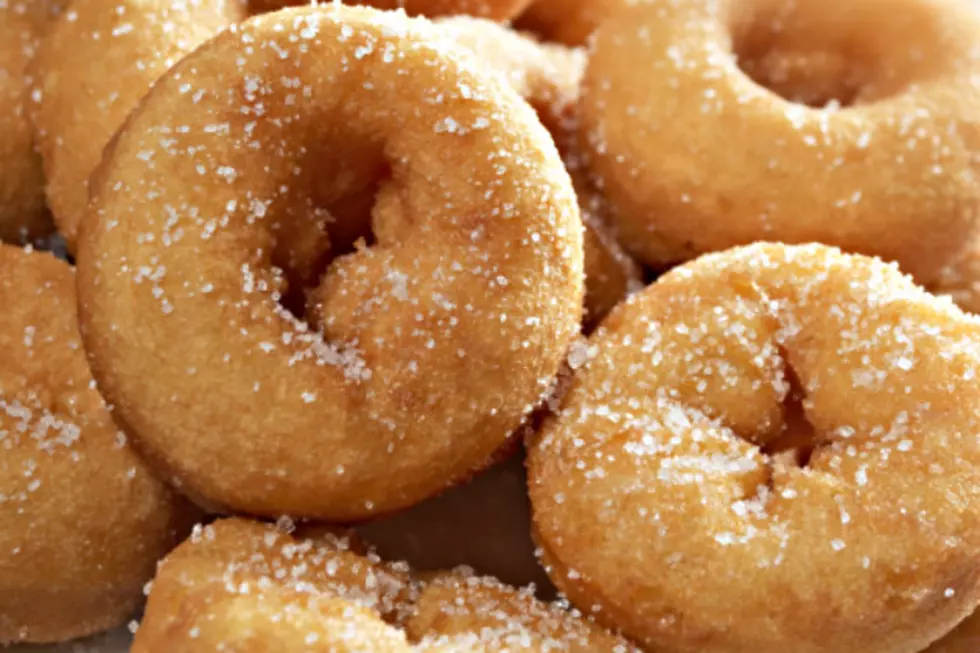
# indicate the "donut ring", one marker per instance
pixel 96 62
pixel 753 417
pixel 499 10
pixel 242 586
pixel 70 488
pixel 889 173
pixel 566 21
pixel 477 266
pixel 23 216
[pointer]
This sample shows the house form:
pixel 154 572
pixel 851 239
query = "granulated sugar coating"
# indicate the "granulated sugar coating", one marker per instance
pixel 22 213
pixel 213 209
pixel 770 449
pixel 501 10
pixel 246 587
pixel 852 123
pixel 97 60
pixel 84 523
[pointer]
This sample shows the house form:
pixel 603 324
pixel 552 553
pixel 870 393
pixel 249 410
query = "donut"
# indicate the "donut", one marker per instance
pixel 849 122
pixel 548 77
pixel 771 448
pixel 82 522
pixel 23 216
pixel 499 10
pixel 964 639
pixel 484 524
pixel 244 586
pixel 960 281
pixel 95 64
pixel 421 350
pixel 566 21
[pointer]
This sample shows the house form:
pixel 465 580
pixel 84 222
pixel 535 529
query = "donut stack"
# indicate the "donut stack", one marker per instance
pixel 478 326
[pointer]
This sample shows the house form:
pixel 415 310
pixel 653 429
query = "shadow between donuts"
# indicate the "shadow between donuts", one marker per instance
pixel 421 352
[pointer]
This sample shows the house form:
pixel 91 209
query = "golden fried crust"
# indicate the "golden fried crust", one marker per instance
pixel 964 639
pixel 96 62
pixel 23 215
pixel 82 523
pixel 961 281
pixel 242 586
pixel 696 154
pixel 566 21
pixel 493 617
pixel 499 10
pixel 675 490
pixel 432 345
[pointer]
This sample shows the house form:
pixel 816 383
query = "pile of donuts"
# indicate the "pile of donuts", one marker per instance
pixel 485 326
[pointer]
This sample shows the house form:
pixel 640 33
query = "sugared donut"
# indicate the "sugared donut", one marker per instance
pixel 23 216
pixel 430 346
pixel 95 64
pixel 82 522
pixel 854 123
pixel 246 587
pixel 566 21
pixel 500 10
pixel 771 449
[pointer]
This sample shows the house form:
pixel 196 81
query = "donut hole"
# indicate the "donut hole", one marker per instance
pixel 814 79
pixel 794 445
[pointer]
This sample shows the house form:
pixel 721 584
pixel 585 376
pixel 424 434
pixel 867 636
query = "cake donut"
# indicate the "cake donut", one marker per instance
pixel 566 21
pixel 23 216
pixel 82 522
pixel 97 61
pixel 422 350
pixel 247 587
pixel 848 122
pixel 771 448
pixel 499 10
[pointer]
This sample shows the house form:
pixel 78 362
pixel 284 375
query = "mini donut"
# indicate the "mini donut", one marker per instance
pixel 853 123
pixel 487 615
pixel 769 449
pixel 23 216
pixel 566 21
pixel 82 522
pixel 499 10
pixel 964 639
pixel 548 77
pixel 427 348
pixel 484 524
pixel 246 587
pixel 95 64
pixel 961 281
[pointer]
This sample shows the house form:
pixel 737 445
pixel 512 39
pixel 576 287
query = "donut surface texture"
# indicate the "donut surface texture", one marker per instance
pixel 97 61
pixel 772 448
pixel 571 22
pixel 428 348
pixel 854 123
pixel 499 10
pixel 82 521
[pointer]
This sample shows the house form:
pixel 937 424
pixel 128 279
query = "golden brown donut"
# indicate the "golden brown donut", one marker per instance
pixel 770 449
pixel 499 10
pixel 484 524
pixel 489 616
pixel 82 522
pixel 964 639
pixel 95 64
pixel 961 281
pixel 430 346
pixel 849 122
pixel 246 587
pixel 23 216
pixel 566 21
